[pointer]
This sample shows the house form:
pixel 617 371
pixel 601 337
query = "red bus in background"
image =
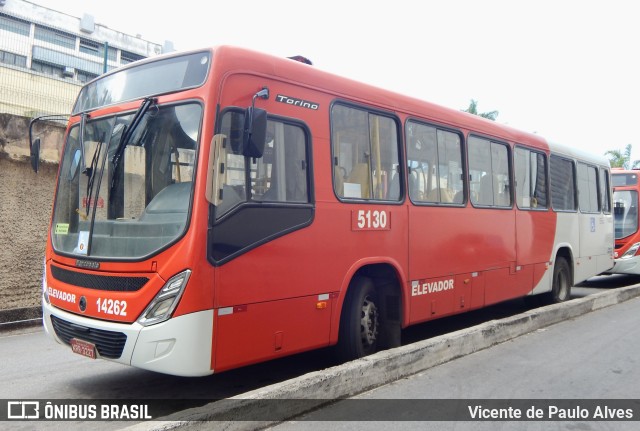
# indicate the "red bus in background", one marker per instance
pixel 222 207
pixel 625 210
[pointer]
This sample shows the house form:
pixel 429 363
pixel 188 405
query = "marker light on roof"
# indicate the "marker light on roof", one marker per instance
pixel 301 59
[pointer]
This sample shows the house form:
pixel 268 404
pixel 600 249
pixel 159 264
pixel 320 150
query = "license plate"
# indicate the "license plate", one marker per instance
pixel 83 348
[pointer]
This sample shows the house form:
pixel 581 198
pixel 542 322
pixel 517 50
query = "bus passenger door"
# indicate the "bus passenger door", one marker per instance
pixel 596 228
pixel 535 223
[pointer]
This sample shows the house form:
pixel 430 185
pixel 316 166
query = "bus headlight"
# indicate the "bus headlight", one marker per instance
pixel 45 294
pixel 632 251
pixel 162 306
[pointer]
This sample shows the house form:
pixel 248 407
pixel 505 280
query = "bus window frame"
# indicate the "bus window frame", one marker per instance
pixel 597 184
pixel 309 161
pixel 606 176
pixel 463 160
pixel 546 173
pixel 401 153
pixel 492 140
pixel 575 185
pixel 218 223
pixel 192 198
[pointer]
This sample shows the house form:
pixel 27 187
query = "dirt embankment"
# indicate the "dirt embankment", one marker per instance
pixel 25 209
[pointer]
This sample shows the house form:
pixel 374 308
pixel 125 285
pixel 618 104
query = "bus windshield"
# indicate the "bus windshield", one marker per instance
pixel 127 201
pixel 625 207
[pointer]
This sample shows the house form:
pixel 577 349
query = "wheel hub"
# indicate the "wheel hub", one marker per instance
pixel 369 322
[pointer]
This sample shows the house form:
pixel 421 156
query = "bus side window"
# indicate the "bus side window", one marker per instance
pixel 489 172
pixel 281 174
pixel 435 167
pixel 365 155
pixel 605 191
pixel 450 172
pixel 531 179
pixel 562 181
pixel 422 152
pixel 588 188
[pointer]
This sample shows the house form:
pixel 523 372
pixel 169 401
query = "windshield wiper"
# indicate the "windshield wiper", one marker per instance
pixel 91 172
pixel 126 137
pixel 83 123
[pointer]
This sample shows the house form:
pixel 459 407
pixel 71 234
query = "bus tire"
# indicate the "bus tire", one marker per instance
pixel 360 321
pixel 561 284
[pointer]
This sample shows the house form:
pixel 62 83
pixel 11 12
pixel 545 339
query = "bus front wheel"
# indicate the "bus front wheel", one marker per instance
pixel 360 320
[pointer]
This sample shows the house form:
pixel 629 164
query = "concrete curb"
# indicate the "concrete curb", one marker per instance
pixel 16 318
pixel 381 368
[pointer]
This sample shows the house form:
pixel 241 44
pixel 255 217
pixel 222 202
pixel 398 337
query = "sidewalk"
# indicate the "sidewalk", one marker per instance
pixel 350 379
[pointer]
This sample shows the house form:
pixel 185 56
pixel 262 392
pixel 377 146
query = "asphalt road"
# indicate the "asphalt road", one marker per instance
pixel 34 367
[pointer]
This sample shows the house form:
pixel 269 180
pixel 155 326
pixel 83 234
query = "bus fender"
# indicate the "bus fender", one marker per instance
pixel 360 266
pixel 566 250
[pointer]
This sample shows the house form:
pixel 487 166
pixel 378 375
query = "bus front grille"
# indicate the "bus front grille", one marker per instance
pixel 98 282
pixel 108 343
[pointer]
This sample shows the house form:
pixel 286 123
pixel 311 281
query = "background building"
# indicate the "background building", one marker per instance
pixel 45 56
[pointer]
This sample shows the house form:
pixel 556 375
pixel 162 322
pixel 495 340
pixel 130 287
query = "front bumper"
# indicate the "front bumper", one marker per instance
pixel 626 266
pixel 180 346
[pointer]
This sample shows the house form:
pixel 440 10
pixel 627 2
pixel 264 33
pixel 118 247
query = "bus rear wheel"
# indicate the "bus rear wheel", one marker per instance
pixel 360 320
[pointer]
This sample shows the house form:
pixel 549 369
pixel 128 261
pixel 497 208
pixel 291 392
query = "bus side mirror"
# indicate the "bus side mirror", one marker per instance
pixel 35 155
pixel 255 132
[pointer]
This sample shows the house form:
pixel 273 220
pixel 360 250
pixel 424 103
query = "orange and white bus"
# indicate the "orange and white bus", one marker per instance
pixel 222 207
pixel 625 213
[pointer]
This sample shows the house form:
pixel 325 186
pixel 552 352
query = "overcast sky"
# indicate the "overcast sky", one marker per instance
pixel 567 70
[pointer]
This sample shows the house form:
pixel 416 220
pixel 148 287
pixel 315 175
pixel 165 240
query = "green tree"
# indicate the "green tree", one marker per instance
pixel 473 109
pixel 622 159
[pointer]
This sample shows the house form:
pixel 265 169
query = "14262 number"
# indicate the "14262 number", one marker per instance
pixel 111 306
